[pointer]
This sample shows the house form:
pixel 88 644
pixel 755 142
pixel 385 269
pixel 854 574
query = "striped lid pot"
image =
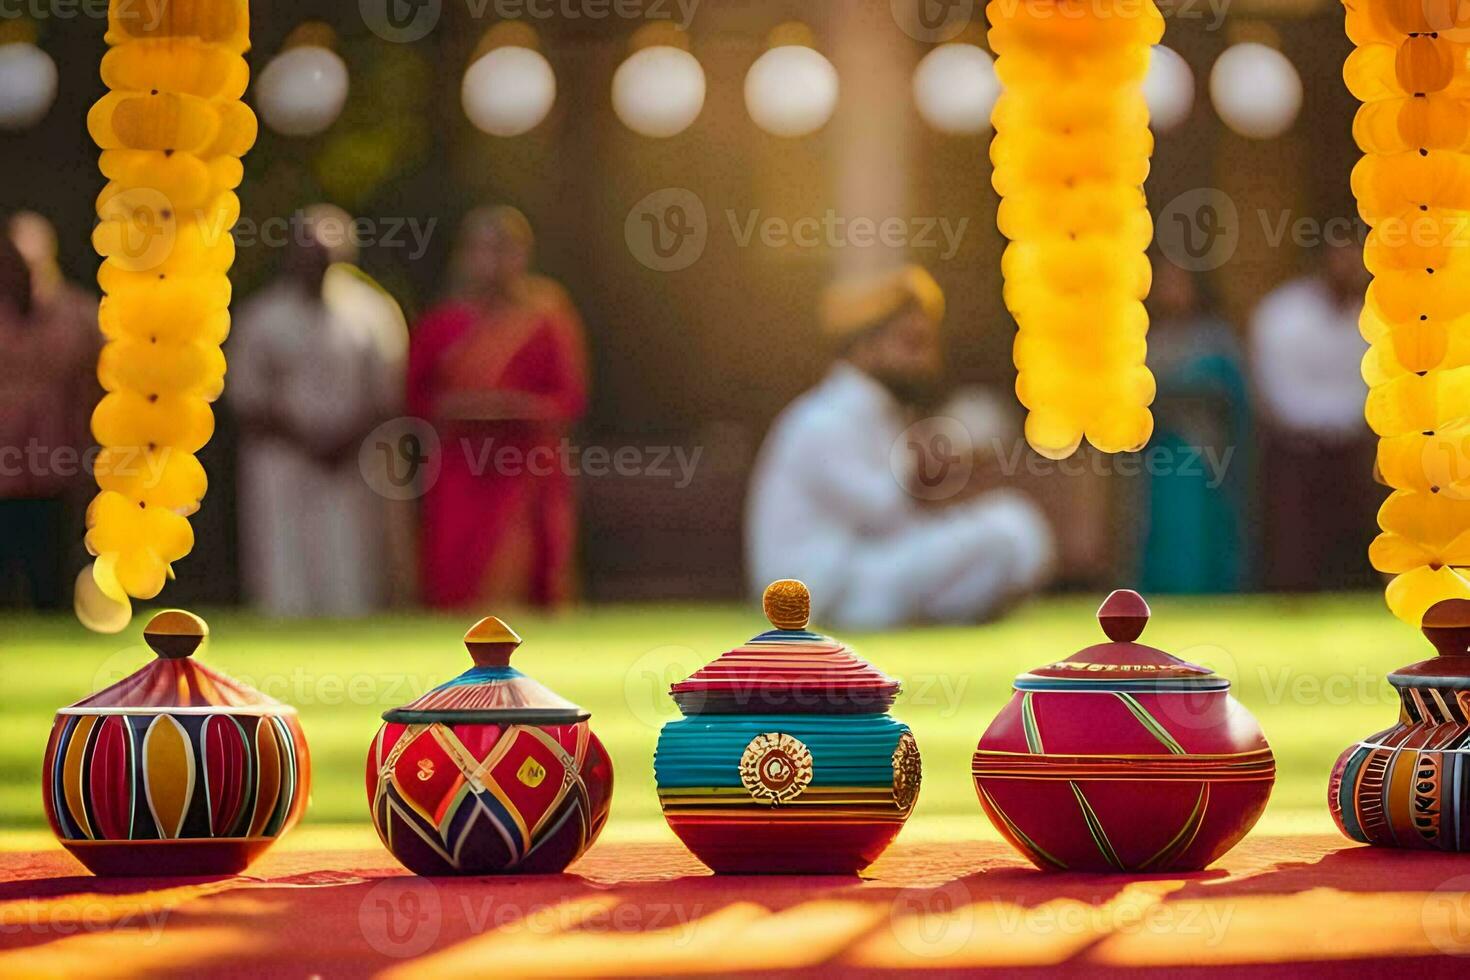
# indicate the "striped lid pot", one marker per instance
pixel 491 690
pixel 788 669
pixel 177 769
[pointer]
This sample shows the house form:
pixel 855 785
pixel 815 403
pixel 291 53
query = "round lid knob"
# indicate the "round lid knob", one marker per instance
pixel 175 634
pixel 1123 615
pixel 788 604
pixel 491 642
pixel 1447 625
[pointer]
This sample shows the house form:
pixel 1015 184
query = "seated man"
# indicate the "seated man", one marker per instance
pixel 831 499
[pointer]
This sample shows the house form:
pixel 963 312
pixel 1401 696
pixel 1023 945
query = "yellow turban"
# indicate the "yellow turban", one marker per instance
pixel 853 305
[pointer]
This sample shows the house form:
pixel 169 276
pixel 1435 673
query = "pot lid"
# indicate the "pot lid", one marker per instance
pixel 1122 664
pixel 176 678
pixel 490 692
pixel 1446 624
pixel 787 669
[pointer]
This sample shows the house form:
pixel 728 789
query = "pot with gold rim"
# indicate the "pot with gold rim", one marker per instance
pixel 1123 758
pixel 787 760
pixel 490 772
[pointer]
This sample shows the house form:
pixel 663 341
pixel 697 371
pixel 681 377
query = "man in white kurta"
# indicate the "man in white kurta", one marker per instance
pixel 316 362
pixel 829 504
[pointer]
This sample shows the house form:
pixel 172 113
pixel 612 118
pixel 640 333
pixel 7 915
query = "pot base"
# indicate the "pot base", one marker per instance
pixel 221 857
pixel 784 846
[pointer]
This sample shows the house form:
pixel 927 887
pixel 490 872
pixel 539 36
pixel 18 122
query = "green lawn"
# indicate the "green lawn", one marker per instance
pixel 1310 669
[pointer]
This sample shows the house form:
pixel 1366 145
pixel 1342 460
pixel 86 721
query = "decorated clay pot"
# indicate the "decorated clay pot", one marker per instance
pixel 490 772
pixel 786 760
pixel 1123 758
pixel 176 769
pixel 1409 785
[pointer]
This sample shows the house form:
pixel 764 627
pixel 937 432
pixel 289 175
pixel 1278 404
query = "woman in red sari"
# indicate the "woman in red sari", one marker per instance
pixel 499 371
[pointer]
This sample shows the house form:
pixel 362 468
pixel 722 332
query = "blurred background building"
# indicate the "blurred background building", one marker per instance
pixel 697 261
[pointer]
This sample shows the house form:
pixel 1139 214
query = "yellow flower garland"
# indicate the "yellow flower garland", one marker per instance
pixel 172 130
pixel 1413 190
pixel 1070 154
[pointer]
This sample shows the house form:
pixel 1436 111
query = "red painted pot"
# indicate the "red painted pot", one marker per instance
pixel 176 769
pixel 488 773
pixel 1123 758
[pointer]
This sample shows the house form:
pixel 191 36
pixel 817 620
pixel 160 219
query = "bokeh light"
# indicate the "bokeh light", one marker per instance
pixel 1256 90
pixel 1169 89
pixel 955 88
pixel 658 91
pixel 27 85
pixel 508 91
pixel 302 90
pixel 791 90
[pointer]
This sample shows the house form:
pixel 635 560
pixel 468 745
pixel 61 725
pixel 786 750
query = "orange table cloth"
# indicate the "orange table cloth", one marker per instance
pixel 1275 905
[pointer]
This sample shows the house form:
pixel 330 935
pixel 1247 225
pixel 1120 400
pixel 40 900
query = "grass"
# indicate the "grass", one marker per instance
pixel 1311 669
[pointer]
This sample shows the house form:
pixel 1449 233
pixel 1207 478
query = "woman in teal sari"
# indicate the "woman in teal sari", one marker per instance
pixel 1193 535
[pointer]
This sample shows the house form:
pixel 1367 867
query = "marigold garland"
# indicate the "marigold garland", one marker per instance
pixel 172 130
pixel 1409 70
pixel 1070 155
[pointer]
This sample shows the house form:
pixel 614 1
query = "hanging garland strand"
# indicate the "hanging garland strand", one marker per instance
pixel 172 130
pixel 1070 155
pixel 1413 190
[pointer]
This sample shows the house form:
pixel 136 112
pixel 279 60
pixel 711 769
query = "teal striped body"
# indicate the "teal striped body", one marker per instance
pixel 847 750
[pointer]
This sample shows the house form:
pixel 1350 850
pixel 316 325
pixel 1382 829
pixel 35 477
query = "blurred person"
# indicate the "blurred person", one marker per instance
pixel 316 363
pixel 499 370
pixel 35 238
pixel 1306 355
pixel 829 505
pixel 1193 534
pixel 48 344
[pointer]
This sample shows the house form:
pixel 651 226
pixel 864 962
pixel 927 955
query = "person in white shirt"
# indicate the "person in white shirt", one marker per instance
pixel 830 500
pixel 1319 499
pixel 316 362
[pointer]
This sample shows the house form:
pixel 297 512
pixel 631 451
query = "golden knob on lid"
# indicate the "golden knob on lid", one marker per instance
pixel 491 642
pixel 175 634
pixel 788 604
